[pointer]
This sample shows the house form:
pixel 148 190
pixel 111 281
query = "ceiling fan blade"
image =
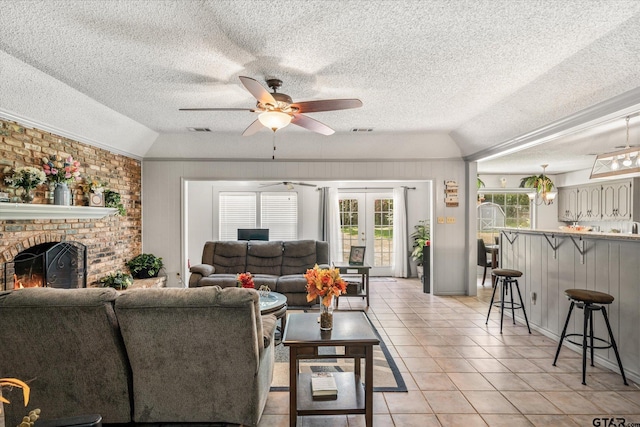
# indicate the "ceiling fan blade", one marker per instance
pixel 258 91
pixel 253 128
pixel 216 109
pixel 311 124
pixel 327 105
pixel 304 183
pixel 270 185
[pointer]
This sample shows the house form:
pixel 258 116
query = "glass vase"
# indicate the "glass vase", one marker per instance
pixel 62 194
pixel 326 315
pixel 27 195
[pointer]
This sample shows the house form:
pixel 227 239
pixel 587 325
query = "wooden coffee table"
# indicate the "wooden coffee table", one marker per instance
pixel 352 330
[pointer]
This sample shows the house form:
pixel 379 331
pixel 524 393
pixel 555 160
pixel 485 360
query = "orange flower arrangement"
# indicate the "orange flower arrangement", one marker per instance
pixel 324 283
pixel 245 280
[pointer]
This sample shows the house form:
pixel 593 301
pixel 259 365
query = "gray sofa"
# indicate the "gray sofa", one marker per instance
pixel 279 265
pixel 146 355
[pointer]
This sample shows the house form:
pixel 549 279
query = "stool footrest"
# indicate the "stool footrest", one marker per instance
pixel 508 305
pixel 579 344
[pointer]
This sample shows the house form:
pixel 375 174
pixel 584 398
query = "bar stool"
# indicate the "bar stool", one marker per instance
pixel 589 301
pixel 506 279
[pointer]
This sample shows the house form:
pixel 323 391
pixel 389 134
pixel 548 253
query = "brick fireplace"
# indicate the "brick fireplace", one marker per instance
pixel 53 264
pixel 109 241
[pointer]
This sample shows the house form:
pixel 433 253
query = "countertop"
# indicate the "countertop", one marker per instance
pixel 580 234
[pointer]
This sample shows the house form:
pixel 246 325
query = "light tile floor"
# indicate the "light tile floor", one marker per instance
pixel 460 372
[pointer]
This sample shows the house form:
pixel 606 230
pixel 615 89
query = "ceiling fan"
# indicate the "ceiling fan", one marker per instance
pixel 290 185
pixel 277 110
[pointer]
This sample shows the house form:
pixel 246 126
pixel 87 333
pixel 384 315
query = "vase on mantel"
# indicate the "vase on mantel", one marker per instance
pixel 27 195
pixel 326 314
pixel 62 194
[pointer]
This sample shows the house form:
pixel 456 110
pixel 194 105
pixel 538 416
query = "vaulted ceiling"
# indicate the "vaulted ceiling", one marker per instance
pixel 479 72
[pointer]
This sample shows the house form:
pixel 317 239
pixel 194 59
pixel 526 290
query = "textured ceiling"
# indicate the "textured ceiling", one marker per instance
pixel 481 71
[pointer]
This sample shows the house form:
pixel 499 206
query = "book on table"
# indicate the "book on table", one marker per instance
pixel 323 384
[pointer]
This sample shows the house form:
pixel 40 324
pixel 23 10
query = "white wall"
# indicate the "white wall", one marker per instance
pixel 162 195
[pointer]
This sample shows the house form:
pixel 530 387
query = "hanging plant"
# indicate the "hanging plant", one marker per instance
pixel 480 183
pixel 540 183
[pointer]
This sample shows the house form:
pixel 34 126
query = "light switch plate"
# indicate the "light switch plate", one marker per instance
pixel 451 220
pixel 440 220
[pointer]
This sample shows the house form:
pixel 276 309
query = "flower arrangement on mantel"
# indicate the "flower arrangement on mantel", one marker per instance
pixel 324 283
pixel 32 417
pixel 60 170
pixel 245 280
pixel 27 178
pixel 93 185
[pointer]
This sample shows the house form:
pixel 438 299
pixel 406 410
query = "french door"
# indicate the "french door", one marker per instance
pixel 366 219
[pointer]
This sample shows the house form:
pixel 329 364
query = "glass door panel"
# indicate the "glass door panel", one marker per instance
pixel 367 220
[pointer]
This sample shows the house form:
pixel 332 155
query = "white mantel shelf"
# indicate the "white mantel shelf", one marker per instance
pixel 27 211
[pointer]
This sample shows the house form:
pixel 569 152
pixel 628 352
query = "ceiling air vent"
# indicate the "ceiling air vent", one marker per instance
pixel 199 129
pixel 362 130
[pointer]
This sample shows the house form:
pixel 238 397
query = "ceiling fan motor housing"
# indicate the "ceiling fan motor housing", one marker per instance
pixel 283 103
pixel 274 84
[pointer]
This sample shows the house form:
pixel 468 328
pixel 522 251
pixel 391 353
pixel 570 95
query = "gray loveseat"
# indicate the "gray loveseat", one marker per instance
pixel 279 265
pixel 146 355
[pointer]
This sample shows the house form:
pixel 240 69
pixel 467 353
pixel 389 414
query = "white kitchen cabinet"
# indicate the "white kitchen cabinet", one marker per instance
pixel 589 202
pixel 568 208
pixel 606 201
pixel 616 200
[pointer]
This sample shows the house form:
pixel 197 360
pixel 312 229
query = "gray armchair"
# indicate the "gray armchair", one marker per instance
pixel 197 355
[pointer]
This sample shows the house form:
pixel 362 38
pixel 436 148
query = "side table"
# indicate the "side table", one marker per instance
pixel 274 303
pixel 352 330
pixel 363 271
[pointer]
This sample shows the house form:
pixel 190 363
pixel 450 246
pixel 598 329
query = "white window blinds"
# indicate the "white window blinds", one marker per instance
pixel 279 213
pixel 237 210
pixel 276 211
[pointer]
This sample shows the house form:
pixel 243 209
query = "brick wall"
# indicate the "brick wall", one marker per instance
pixel 110 241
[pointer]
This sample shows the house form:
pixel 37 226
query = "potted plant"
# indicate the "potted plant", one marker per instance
pixel 144 266
pixel 421 237
pixel 117 280
pixel 112 199
pixel 540 183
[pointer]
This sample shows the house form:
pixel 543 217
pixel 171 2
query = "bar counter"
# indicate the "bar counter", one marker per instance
pixel 555 260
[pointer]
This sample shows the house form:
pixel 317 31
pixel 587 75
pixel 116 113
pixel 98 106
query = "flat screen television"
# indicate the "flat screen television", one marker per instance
pixel 253 234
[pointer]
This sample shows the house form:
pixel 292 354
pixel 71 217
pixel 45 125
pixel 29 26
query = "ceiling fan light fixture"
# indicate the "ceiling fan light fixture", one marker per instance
pixel 274 120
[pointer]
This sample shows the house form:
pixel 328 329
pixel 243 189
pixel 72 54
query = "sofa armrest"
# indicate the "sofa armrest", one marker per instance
pixel 269 322
pixel 204 270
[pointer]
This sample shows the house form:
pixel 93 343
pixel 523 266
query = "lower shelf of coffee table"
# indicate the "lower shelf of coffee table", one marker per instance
pixel 350 399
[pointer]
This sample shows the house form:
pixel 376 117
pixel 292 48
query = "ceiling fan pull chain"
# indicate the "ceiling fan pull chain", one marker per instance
pixel 273 155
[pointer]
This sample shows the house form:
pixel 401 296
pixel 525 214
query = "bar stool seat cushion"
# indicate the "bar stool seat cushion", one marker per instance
pixel 591 297
pixel 506 272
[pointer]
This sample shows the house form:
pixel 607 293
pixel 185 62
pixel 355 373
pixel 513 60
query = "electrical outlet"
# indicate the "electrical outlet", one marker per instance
pixel 440 220
pixel 451 220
